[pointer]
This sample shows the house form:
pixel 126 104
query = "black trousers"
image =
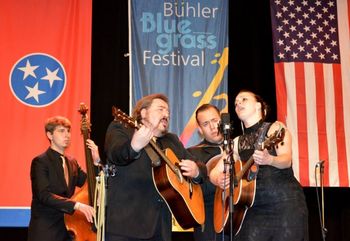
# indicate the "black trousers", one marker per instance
pixel 162 233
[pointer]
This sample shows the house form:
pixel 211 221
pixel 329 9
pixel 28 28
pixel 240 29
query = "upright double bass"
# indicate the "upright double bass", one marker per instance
pixel 78 227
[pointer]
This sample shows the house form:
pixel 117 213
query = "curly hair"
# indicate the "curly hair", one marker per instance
pixel 52 122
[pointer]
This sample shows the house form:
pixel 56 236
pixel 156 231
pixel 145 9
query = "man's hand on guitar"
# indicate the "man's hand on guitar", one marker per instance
pixel 141 138
pixel 222 180
pixel 189 168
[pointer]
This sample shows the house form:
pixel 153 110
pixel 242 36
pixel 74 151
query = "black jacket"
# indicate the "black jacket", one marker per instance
pixel 50 196
pixel 135 208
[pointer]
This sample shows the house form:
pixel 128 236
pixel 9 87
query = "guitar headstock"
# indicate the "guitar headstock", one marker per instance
pixel 85 123
pixel 275 138
pixel 123 118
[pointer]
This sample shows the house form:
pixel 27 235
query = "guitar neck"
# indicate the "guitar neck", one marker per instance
pixel 245 168
pixel 163 156
pixel 271 141
pixel 131 122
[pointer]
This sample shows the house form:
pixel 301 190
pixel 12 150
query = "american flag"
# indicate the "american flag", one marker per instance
pixel 312 68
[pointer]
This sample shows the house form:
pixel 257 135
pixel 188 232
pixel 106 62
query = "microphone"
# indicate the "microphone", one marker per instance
pixel 320 163
pixel 225 128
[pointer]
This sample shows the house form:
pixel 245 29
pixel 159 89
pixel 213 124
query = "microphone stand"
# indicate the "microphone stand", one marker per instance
pixel 324 230
pixel 321 212
pixel 101 198
pixel 231 186
pixel 227 143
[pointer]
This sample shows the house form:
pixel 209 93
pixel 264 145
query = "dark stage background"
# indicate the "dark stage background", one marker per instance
pixel 250 67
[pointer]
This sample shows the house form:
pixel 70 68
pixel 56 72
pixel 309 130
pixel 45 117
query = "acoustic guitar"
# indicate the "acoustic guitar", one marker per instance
pixel 184 199
pixel 244 191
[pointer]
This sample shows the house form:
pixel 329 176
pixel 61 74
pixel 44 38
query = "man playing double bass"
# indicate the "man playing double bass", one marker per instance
pixel 54 176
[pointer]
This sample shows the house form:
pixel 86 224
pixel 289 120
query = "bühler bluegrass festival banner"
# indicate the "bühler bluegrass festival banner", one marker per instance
pixel 180 49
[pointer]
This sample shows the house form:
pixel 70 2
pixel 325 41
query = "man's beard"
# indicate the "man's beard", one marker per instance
pixel 163 132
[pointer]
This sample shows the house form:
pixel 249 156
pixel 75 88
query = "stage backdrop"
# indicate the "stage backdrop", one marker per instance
pixel 180 48
pixel 312 66
pixel 44 70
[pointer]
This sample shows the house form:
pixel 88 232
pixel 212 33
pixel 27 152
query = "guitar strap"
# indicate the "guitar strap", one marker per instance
pixel 155 159
pixel 253 171
pixel 262 134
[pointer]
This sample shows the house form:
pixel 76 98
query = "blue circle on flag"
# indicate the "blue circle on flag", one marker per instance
pixel 38 79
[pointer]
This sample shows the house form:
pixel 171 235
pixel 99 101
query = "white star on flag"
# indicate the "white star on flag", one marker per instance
pixel 34 92
pixel 28 70
pixel 51 76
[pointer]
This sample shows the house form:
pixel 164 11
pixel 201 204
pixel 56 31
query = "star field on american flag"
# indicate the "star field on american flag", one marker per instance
pixel 305 31
pixel 37 80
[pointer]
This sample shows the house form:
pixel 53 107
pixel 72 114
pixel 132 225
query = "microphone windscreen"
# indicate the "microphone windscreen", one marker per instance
pixel 320 163
pixel 225 118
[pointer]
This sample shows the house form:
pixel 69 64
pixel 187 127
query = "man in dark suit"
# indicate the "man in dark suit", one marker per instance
pixel 207 151
pixel 54 177
pixel 135 209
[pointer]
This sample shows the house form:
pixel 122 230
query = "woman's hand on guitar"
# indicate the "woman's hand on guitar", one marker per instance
pixel 262 157
pixel 189 168
pixel 87 210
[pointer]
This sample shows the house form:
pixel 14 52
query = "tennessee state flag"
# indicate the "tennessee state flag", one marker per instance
pixel 44 71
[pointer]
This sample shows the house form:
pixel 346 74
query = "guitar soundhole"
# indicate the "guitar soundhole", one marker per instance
pixel 71 234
